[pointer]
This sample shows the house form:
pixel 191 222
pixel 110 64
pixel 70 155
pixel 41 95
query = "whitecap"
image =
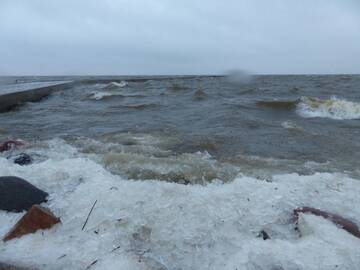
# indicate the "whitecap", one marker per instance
pixel 289 125
pixel 100 95
pixel 333 108
pixel 113 85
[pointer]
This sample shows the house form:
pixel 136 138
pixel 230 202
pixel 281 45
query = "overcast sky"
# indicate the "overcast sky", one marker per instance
pixel 43 37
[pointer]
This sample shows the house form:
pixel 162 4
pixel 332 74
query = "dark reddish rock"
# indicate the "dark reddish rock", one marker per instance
pixel 37 218
pixel 17 195
pixel 344 223
pixel 8 145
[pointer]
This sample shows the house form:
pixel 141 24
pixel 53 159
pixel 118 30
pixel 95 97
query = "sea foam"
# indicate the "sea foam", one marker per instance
pixel 334 108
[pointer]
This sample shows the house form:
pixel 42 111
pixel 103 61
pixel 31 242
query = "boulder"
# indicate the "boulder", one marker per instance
pixel 8 145
pixel 22 159
pixel 344 223
pixel 37 218
pixel 17 195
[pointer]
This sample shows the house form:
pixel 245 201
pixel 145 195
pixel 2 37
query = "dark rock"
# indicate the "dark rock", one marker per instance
pixel 264 235
pixel 23 159
pixel 37 218
pixel 344 223
pixel 17 195
pixel 8 145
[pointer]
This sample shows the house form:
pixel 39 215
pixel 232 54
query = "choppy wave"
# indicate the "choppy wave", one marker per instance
pixel 178 87
pixel 279 104
pixel 140 106
pixel 334 108
pixel 159 225
pixel 199 95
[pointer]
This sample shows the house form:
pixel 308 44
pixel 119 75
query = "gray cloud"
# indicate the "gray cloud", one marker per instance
pixel 178 37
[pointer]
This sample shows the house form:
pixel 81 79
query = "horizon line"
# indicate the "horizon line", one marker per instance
pixel 185 75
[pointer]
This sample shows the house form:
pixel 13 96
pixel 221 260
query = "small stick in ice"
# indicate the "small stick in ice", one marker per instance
pixel 116 248
pixel 62 256
pixel 91 264
pixel 88 215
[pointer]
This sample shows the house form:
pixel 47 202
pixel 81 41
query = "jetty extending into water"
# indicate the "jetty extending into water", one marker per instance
pixel 16 94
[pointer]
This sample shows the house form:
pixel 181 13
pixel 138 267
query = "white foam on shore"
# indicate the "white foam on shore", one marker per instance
pixel 334 108
pixel 160 225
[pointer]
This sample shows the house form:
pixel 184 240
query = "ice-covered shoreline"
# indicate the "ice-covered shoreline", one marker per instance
pixel 159 225
pixel 189 182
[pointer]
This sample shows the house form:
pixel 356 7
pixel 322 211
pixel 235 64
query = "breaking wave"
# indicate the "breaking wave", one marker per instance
pixel 309 107
pixel 142 157
pixel 289 125
pixel 100 95
pixel 334 108
pixel 113 85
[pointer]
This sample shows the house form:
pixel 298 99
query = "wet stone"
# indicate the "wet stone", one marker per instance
pixel 17 195
pixel 22 159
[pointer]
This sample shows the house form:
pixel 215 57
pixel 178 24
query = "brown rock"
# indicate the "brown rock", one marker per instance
pixel 344 223
pixel 36 218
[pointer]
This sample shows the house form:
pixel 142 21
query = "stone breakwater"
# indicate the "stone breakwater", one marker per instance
pixel 15 95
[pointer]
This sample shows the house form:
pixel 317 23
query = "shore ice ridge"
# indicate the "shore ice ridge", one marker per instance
pixel 160 225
